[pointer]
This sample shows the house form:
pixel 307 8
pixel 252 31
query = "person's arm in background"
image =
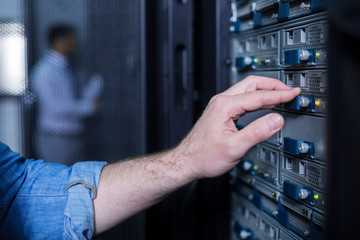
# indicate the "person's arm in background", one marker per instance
pixel 93 89
pixel 213 147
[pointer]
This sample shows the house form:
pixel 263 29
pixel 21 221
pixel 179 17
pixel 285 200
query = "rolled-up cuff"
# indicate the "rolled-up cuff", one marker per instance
pixel 79 210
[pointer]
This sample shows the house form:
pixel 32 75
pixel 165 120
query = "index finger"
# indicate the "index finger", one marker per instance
pixel 237 105
pixel 253 83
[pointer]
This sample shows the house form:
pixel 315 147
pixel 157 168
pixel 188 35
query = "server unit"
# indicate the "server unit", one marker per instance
pixel 280 185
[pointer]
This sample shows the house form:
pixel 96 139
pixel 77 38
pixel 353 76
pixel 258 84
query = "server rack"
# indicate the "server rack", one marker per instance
pixel 280 185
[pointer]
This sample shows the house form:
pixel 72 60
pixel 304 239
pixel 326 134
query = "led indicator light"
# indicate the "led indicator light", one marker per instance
pixel 317 102
pixel 323 202
pixel 256 167
pixel 256 60
pixel 316 197
pixel 249 180
pixel 273 194
pixel 317 54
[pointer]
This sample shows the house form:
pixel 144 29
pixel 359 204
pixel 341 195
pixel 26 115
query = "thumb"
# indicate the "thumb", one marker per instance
pixel 258 131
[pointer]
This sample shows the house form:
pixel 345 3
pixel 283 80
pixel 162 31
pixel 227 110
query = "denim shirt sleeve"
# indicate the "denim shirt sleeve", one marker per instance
pixel 79 211
pixel 41 200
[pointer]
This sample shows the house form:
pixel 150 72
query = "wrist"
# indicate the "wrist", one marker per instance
pixel 185 163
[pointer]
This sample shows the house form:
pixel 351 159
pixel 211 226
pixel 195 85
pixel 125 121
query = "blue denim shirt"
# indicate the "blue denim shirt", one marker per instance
pixel 40 200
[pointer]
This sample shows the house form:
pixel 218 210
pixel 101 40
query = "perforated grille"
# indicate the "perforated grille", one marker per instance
pixel 117 50
pixel 316 88
pixel 312 181
pixel 315 83
pixel 317 33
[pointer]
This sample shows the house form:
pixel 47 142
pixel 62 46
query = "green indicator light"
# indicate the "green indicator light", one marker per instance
pixel 316 197
pixel 249 180
pixel 256 167
pixel 317 54
pixel 323 202
pixel 273 194
pixel 256 60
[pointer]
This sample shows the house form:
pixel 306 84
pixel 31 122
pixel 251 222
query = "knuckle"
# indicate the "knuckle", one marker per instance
pixel 220 101
pixel 214 98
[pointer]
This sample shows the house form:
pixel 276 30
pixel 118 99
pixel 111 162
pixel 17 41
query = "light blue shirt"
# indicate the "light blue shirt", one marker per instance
pixel 60 110
pixel 41 200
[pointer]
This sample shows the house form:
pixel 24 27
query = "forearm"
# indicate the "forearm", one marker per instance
pixel 72 107
pixel 213 147
pixel 130 186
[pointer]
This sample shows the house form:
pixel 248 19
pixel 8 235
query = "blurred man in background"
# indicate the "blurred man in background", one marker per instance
pixel 63 104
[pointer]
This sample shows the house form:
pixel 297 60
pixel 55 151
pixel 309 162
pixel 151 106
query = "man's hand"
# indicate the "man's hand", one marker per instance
pixel 94 87
pixel 214 146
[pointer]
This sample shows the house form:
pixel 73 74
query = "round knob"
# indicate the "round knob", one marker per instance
pixel 303 194
pixel 304 55
pixel 244 234
pixel 248 61
pixel 275 213
pixel 304 148
pixel 228 61
pixel 246 166
pixel 304 101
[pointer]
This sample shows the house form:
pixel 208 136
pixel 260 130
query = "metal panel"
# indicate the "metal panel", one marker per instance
pixel 306 128
pixel 313 83
pixel 307 174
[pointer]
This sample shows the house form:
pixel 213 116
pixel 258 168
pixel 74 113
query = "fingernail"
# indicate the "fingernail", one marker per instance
pixel 298 90
pixel 275 121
